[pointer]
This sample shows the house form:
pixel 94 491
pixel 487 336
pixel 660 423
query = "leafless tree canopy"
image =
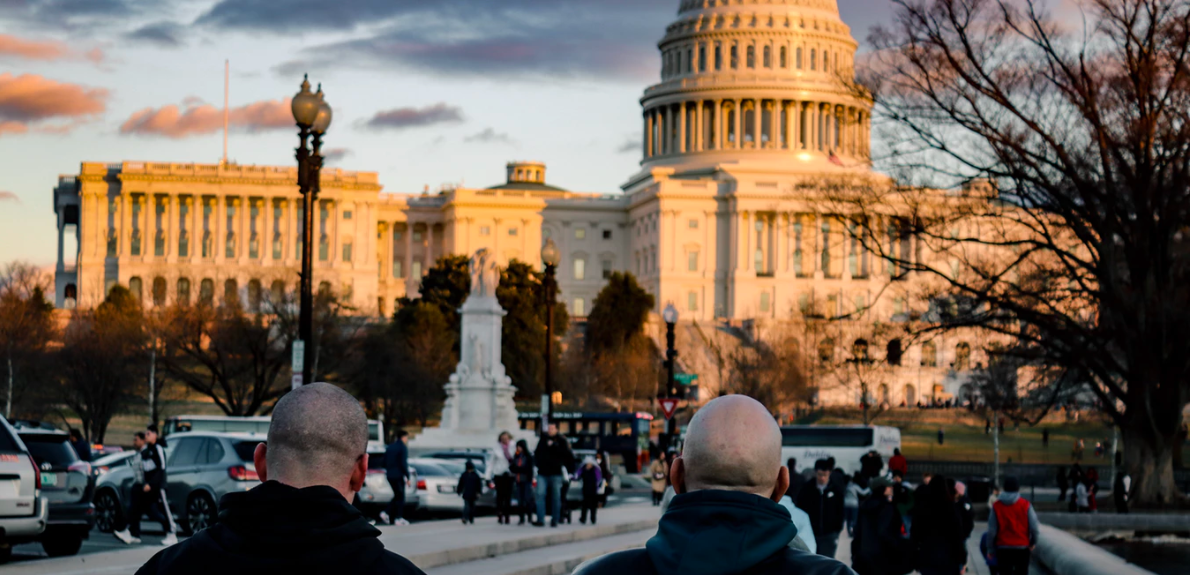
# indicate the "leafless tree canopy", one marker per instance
pixel 1067 125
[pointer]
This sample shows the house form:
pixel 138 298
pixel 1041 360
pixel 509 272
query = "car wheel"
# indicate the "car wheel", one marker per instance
pixel 107 511
pixel 62 545
pixel 200 512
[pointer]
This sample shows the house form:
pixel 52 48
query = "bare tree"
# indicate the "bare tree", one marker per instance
pixel 26 330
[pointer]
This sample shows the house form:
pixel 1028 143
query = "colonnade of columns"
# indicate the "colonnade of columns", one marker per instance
pixel 755 123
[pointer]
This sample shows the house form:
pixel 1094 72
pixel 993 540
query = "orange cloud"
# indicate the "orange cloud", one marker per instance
pixel 30 98
pixel 197 119
pixel 48 50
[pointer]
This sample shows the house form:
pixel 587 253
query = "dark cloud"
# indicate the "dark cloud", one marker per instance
pixel 335 155
pixel 554 38
pixel 81 15
pixel 160 34
pixel 489 136
pixel 629 146
pixel 401 118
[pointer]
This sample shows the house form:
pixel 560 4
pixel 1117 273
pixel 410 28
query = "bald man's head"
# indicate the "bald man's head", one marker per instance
pixel 318 435
pixel 734 444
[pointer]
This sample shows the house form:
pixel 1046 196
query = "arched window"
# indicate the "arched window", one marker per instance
pixel 962 356
pixel 206 292
pixel 859 349
pixel 136 287
pixel 929 354
pixel 783 60
pixel 158 291
pixel 254 296
pixel 751 57
pixel 894 352
pixel 324 288
pixel 768 57
pixel 882 393
pixel 813 57
pixel 580 268
pixel 70 296
pixel 910 395
pixel 825 61
pixel 183 295
pixel 277 292
pixel 798 58
pixel 702 57
pixel 231 292
pixel 826 351
pixel 735 57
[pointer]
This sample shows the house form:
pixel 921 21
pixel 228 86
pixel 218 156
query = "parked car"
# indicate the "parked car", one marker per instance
pixel 24 510
pixel 436 483
pixel 574 497
pixel 482 458
pixel 377 492
pixel 101 465
pixel 66 486
pixel 201 468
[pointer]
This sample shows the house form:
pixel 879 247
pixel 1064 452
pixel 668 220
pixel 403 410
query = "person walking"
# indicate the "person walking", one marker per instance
pixel 823 502
pixel 965 507
pixel 852 493
pixel 724 518
pixel 938 539
pixel 592 478
pixel 796 479
pixel 553 458
pixel 603 461
pixel 469 487
pixel 1075 477
pixel 879 546
pixel 658 478
pixel 941 436
pixel 1013 530
pixel 396 469
pixel 1063 484
pixel 80 445
pixel 300 518
pixel 521 467
pixel 1121 489
pixel 871 464
pixel 502 477
pixel 1092 476
pixel 159 477
pixel 1045 438
pixel 897 463
pixel 142 497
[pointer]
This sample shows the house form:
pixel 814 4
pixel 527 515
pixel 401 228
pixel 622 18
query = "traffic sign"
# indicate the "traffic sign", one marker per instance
pixel 686 378
pixel 296 382
pixel 668 406
pixel 298 360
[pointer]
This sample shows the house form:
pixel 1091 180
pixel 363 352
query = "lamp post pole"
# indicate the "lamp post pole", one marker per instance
pixel 550 257
pixel 670 315
pixel 313 117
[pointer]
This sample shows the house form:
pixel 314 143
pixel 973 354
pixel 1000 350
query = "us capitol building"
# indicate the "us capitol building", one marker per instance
pixel 749 107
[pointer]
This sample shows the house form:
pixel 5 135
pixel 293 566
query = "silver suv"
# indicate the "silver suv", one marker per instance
pixel 23 510
pixel 201 467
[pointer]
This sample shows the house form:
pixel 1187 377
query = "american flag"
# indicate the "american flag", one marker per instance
pixel 835 159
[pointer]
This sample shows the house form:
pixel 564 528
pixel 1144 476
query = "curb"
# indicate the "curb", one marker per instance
pixel 487 551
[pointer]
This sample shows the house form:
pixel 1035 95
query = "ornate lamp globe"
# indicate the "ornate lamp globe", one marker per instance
pixel 670 315
pixel 549 253
pixel 305 105
pixel 322 120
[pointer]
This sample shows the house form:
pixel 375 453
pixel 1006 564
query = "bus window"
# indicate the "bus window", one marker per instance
pixel 529 424
pixel 620 428
pixel 826 437
pixel 642 426
pixel 566 427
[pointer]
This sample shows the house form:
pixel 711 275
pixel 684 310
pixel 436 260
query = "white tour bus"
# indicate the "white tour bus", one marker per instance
pixel 254 424
pixel 846 443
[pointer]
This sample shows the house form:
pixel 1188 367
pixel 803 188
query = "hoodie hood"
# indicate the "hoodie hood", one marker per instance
pixel 715 532
pixel 312 527
pixel 1009 497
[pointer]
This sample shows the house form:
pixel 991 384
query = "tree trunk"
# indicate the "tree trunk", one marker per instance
pixel 1151 465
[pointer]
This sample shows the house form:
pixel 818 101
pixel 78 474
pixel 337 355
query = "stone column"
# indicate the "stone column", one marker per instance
pixel 746 239
pixel 699 130
pixel 757 112
pixel 648 139
pixel 290 237
pixel 736 123
pixel 408 271
pixel 788 111
pixel 683 116
pixel 717 124
pixel 172 215
pixel 733 233
pixel 775 124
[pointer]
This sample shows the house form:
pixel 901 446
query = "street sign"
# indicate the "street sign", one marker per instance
pixel 686 378
pixel 668 406
pixel 299 358
pixel 296 382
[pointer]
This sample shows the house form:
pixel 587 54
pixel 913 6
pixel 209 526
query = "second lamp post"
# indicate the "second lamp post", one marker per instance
pixel 670 315
pixel 313 116
pixel 550 257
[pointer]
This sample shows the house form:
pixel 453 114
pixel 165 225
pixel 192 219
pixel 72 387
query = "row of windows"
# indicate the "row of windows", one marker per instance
pixel 579 233
pixel 685 59
pixel 894 353
pixel 256 296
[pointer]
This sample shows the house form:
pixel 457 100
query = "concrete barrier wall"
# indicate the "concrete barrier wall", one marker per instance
pixel 1065 554
pixel 1160 522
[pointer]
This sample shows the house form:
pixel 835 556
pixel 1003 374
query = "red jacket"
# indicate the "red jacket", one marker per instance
pixel 898 463
pixel 1012 523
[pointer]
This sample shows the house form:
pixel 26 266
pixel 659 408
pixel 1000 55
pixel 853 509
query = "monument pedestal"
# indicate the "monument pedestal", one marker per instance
pixel 479 396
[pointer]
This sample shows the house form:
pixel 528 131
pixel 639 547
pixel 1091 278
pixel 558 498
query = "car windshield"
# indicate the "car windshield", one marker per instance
pixel 245 449
pixel 430 469
pixel 50 448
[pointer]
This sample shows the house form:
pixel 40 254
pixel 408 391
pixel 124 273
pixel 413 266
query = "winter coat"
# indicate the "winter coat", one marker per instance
pixel 396 462
pixel 852 493
pixel 879 546
pixel 521 467
pixel 713 532
pixel 470 485
pixel 805 532
pixel 553 455
pixel 967 513
pixel 1031 526
pixel 501 460
pixel 657 475
pixel 938 539
pixel 154 467
pixel 591 478
pixel 275 528
pixel 824 506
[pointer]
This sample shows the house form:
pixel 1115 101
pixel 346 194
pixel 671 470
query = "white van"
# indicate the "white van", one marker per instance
pixel 846 443
pixel 253 424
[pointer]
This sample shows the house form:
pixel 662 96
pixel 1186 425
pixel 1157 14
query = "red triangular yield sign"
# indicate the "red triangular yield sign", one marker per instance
pixel 668 406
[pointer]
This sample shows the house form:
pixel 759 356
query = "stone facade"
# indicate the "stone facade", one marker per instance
pixel 752 104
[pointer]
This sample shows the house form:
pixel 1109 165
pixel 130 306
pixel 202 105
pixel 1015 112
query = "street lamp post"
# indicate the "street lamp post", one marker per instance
pixel 670 315
pixel 550 257
pixel 313 116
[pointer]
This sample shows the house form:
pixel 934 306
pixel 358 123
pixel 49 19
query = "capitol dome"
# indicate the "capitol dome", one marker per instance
pixel 756 80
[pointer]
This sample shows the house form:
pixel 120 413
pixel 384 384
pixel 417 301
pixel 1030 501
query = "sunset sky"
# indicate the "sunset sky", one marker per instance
pixel 425 92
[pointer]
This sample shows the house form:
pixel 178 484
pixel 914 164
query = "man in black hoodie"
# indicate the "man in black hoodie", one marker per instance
pixel 822 500
pixel 300 519
pixel 724 518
